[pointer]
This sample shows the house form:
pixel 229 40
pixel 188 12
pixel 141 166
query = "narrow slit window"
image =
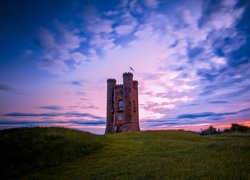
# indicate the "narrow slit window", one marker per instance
pixel 120 105
pixel 120 117
pixel 134 106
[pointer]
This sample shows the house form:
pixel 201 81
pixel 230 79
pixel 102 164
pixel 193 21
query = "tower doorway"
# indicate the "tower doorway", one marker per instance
pixel 119 129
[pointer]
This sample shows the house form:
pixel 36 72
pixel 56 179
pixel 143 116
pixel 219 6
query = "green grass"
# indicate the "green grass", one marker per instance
pixel 27 150
pixel 57 153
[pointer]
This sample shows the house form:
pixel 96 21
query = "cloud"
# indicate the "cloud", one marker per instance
pixel 46 40
pixel 11 89
pixel 111 13
pixel 27 53
pixel 226 83
pixel 218 102
pixel 151 3
pixel 211 114
pixel 78 57
pixel 94 22
pixel 127 25
pixel 5 87
pixel 76 83
pixel 80 93
pixel 96 123
pixel 192 104
pixel 135 7
pixel 69 39
pixel 50 107
pixel 197 115
pixel 53 122
pixel 67 114
pixel 57 47
pixel 245 110
pixel 209 40
pixel 53 66
pixel 192 53
pixel 89 107
pixel 102 42
pixel 125 29
pixel 235 93
pixel 31 114
pixel 220 15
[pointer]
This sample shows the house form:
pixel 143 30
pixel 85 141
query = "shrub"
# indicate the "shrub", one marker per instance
pixel 237 128
pixel 210 131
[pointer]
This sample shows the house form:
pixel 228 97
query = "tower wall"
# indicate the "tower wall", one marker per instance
pixel 111 83
pixel 118 91
pixel 128 98
pixel 136 106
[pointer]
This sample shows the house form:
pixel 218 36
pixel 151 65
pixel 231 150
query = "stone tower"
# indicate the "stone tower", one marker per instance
pixel 122 105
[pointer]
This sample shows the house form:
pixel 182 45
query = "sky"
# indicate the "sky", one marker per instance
pixel 191 59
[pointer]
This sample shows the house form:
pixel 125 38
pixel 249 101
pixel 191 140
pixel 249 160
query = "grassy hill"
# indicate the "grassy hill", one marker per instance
pixel 58 153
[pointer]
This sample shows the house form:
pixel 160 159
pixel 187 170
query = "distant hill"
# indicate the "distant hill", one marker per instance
pixel 56 153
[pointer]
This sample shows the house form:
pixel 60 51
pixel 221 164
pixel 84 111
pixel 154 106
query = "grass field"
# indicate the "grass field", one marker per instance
pixel 58 153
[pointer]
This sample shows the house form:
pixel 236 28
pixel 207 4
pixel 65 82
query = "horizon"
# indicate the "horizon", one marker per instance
pixel 191 60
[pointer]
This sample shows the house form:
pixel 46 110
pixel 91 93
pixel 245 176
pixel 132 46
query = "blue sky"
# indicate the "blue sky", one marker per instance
pixel 191 58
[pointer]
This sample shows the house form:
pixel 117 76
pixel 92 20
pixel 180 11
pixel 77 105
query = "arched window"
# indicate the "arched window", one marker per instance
pixel 120 105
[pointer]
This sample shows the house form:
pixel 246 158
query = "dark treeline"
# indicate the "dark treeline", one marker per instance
pixel 234 128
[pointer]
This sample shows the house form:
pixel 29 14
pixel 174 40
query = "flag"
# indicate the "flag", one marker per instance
pixel 131 68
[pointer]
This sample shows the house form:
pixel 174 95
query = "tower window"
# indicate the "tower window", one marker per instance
pixel 120 105
pixel 134 106
pixel 120 117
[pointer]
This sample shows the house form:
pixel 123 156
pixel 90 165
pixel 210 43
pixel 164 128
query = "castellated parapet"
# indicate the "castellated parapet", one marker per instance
pixel 122 105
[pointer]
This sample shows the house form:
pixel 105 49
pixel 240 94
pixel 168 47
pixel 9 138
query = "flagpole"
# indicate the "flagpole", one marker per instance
pixel 131 69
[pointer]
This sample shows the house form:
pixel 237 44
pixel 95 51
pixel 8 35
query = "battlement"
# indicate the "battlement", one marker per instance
pixel 127 74
pixel 135 84
pixel 119 86
pixel 111 80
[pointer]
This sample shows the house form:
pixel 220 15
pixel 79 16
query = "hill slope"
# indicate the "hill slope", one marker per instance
pixel 71 154
pixel 27 150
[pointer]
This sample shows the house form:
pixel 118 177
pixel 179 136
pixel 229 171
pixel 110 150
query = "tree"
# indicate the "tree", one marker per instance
pixel 211 130
pixel 237 128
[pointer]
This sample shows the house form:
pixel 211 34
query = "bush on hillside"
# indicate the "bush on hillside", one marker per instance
pixel 237 128
pixel 210 131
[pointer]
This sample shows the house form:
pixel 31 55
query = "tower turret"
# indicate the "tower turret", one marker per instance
pixel 136 106
pixel 128 97
pixel 111 83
